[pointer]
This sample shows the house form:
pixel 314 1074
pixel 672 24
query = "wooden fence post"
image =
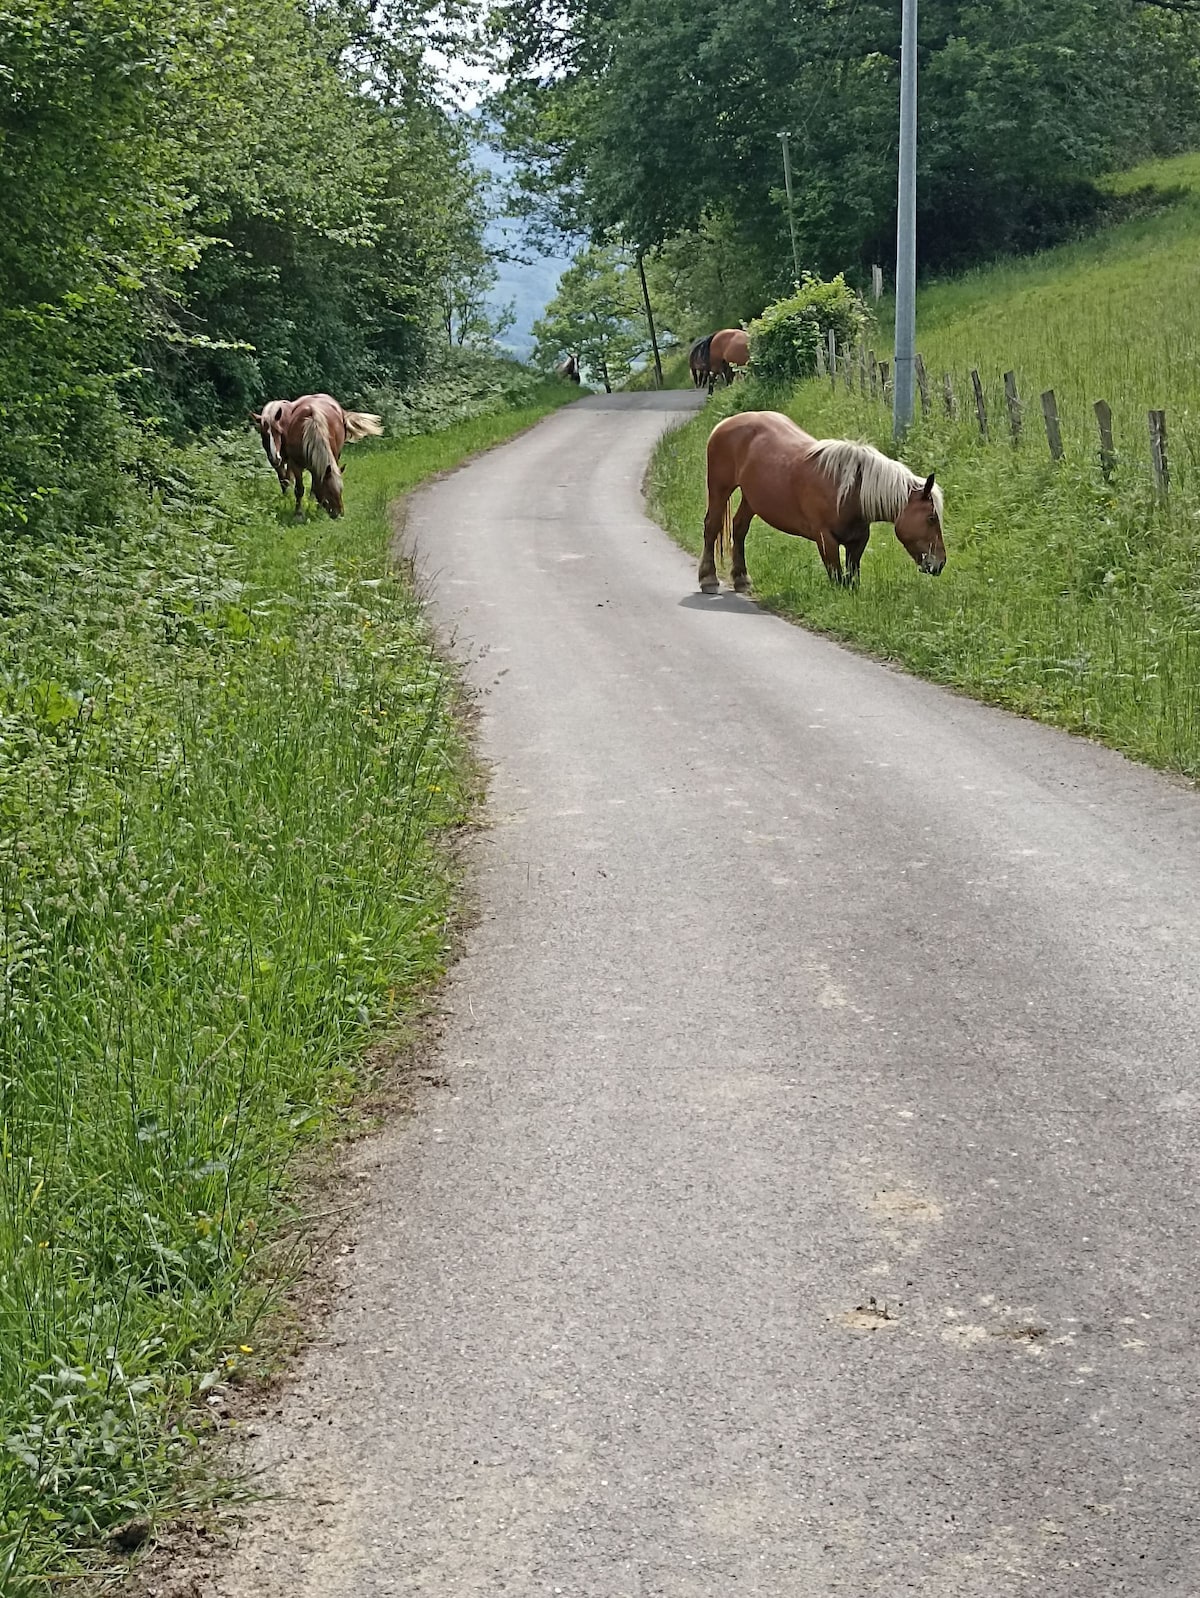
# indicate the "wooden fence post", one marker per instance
pixel 848 368
pixel 885 379
pixel 1014 405
pixel 980 403
pixel 1053 434
pixel 832 358
pixel 862 368
pixel 873 373
pixel 923 385
pixel 820 360
pixel 1108 455
pixel 948 395
pixel 877 282
pixel 1158 451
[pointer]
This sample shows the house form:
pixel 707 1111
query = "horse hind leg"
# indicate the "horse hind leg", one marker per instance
pixel 743 516
pixel 299 487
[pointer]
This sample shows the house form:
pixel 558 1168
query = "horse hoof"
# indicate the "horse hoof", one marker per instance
pixel 710 585
pixel 742 585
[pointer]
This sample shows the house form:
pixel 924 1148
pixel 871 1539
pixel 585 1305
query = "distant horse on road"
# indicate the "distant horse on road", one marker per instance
pixel 727 349
pixel 315 430
pixel 568 370
pixel 829 491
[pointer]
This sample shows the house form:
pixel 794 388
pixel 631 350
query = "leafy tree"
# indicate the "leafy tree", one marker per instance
pixel 597 315
pixel 659 118
pixel 189 224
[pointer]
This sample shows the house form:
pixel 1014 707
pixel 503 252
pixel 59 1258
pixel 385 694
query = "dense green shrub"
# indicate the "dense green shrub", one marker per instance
pixel 785 338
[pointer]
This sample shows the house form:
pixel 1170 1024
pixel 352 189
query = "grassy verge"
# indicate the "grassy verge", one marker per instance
pixel 1066 597
pixel 227 756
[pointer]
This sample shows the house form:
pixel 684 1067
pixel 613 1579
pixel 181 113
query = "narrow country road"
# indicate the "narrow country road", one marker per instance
pixel 810 1206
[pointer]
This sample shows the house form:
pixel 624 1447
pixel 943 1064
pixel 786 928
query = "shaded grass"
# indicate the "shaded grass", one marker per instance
pixel 227 760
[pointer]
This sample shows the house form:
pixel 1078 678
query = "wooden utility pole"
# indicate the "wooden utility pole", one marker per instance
pixel 658 377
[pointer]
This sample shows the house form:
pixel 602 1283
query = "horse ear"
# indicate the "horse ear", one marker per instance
pixel 256 418
pixel 927 491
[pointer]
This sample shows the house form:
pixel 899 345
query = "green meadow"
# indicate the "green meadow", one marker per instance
pixel 228 766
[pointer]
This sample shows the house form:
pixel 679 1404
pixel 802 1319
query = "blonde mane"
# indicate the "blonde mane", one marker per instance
pixel 883 484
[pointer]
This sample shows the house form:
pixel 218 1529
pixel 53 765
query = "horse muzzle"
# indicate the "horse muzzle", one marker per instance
pixel 932 565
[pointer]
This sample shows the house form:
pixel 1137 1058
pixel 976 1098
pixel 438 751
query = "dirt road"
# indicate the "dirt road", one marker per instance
pixel 811 1206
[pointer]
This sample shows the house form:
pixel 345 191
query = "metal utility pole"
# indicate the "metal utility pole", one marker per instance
pixel 787 179
pixel 906 227
pixel 658 377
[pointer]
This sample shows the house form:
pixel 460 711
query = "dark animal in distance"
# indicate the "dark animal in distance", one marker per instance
pixel 698 361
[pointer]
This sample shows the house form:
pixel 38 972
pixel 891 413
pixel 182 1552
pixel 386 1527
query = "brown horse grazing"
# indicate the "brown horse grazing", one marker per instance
pixel 315 431
pixel 270 423
pixel 830 491
pixel 727 349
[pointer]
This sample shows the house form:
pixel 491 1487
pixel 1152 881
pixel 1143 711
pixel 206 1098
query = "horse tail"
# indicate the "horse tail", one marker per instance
pixel 361 424
pixel 318 452
pixel 725 536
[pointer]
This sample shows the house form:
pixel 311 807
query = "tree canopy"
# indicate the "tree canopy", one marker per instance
pixel 203 206
pixel 660 119
pixel 597 315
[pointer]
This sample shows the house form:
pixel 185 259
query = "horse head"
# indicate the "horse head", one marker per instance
pixel 919 527
pixel 328 492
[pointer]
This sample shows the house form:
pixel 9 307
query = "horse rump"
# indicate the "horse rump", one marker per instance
pixel 316 453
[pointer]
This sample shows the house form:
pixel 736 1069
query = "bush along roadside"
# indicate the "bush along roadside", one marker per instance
pixel 1066 597
pixel 228 762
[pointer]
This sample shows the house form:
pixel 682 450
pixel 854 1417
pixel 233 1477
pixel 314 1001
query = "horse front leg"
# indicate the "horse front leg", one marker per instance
pixel 856 543
pixel 831 555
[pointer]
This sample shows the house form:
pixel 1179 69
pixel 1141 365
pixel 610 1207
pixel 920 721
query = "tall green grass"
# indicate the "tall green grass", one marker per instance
pixel 1066 597
pixel 227 757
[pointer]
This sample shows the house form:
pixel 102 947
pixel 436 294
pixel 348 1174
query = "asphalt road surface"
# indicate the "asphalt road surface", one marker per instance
pixel 810 1202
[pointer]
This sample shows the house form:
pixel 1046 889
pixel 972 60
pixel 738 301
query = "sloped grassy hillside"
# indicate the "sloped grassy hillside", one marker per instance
pixel 1067 596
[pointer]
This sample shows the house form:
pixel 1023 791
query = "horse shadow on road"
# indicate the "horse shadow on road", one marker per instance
pixel 738 604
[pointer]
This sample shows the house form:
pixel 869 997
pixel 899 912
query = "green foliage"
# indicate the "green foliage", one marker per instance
pixel 596 314
pixel 659 118
pixel 785 338
pixel 703 279
pixel 458 387
pixel 1066 597
pixel 226 754
pixel 203 206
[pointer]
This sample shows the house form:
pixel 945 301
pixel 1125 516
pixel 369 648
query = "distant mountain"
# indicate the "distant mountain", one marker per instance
pixel 528 283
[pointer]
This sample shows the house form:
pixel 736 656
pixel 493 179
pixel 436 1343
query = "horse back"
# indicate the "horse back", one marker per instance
pixel 325 411
pixel 730 344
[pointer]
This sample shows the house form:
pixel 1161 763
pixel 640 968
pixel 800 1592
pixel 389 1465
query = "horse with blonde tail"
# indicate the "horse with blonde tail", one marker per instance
pixel 315 431
pixel 828 490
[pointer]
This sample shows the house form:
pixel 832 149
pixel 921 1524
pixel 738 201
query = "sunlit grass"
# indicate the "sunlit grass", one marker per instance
pixel 227 758
pixel 1066 597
